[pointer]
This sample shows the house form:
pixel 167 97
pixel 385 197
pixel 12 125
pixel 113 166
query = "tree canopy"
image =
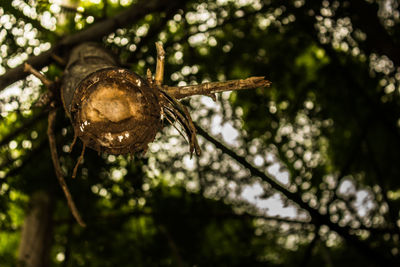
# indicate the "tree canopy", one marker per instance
pixel 305 172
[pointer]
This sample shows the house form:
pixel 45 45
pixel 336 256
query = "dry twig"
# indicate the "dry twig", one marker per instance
pixel 78 162
pixel 57 167
pixel 41 77
pixel 216 87
pixel 160 64
pixel 53 145
pixel 149 77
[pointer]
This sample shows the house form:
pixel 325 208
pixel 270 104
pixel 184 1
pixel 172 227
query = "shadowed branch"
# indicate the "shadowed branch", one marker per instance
pixel 317 217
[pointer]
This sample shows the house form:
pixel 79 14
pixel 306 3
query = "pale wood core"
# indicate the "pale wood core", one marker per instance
pixel 109 103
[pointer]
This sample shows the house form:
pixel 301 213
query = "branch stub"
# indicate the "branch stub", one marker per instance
pixel 115 111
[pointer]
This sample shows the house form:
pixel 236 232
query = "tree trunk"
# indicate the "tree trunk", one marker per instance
pixel 36 236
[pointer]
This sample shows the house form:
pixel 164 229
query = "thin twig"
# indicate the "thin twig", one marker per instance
pixel 71 146
pixel 58 59
pixel 193 137
pixel 216 87
pixel 183 117
pixel 172 105
pixel 57 167
pixel 79 161
pixel 159 77
pixel 46 98
pixel 149 77
pixel 40 76
pixel 170 113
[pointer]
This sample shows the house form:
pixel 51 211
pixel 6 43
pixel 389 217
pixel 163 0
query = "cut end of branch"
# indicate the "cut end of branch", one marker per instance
pixel 115 111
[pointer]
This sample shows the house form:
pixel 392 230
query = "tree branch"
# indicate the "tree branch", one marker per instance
pixel 216 87
pixel 18 73
pixel 57 167
pixel 317 217
pixel 78 162
pixel 40 76
pixel 92 33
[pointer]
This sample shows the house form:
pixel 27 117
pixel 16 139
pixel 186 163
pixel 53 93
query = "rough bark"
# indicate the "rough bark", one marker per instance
pixel 36 232
pixel 84 60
